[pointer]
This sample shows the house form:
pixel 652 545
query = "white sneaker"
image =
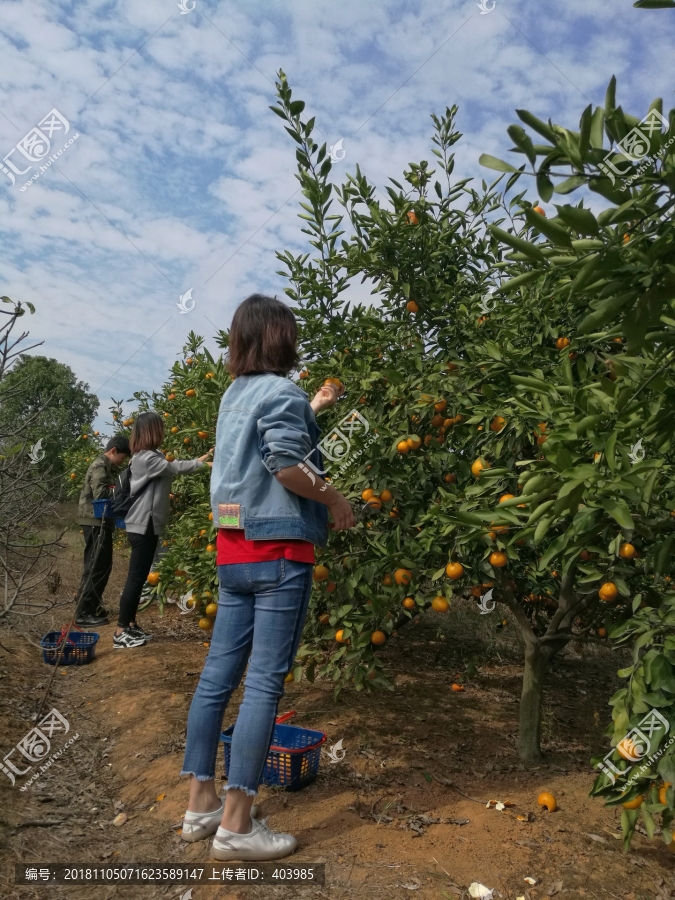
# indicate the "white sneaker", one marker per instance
pixel 197 826
pixel 259 844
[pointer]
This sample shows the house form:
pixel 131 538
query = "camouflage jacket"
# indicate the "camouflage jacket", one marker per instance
pixel 97 485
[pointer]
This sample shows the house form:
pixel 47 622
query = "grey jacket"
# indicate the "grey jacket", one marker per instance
pixel 151 466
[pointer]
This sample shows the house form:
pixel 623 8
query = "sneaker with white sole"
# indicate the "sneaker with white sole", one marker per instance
pixel 139 632
pixel 127 640
pixel 259 844
pixel 197 826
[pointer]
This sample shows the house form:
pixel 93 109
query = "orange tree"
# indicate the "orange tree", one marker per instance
pixel 77 459
pixel 616 270
pixel 504 426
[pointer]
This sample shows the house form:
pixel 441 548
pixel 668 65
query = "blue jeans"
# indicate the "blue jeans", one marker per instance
pixel 261 613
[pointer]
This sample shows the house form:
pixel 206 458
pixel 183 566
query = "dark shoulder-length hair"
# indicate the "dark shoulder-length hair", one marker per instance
pixel 147 433
pixel 263 337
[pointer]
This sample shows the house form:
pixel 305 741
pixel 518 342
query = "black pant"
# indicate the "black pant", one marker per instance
pixel 98 560
pixel 143 548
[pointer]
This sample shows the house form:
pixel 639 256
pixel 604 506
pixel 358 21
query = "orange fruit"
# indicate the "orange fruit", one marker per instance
pixel 497 559
pixel 540 210
pixel 210 517
pixel 289 678
pixel 336 384
pixel 191 392
pixel 409 603
pixel 542 439
pixel 497 423
pixel 608 591
pixel 602 632
pixel 413 442
pixel 412 217
pixel 626 238
pixel 562 342
pixel 186 440
pixel 330 587
pixel 548 800
pixel 441 405
pixel 437 421
pixel 477 467
pixel 202 532
pixel 73 476
pixel 403 447
pixel 585 555
pixel 412 307
pixel 394 512
pixel 386 581
pixel 454 570
pixel 205 623
pixel 457 688
pixel 505 497
pixel 626 749
pixel 492 535
pixel 374 503
pixel 211 609
pixel 202 434
pixel 451 366
pixel 340 637
pixel 378 638
pixel 210 548
pixel 153 578
pixel 171 397
pixel 450 478
pixel 367 494
pixel 662 792
pixel 627 551
pixel 635 803
pixel 320 573
pixel 402 576
pixel 428 439
pixel 174 430
pixel 386 496
pixel 440 604
pixel 304 374
pixel 324 619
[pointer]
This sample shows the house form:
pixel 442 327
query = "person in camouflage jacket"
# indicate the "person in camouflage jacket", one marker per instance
pixel 98 533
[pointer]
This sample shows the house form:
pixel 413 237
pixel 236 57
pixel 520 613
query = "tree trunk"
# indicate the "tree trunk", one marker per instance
pixel 537 657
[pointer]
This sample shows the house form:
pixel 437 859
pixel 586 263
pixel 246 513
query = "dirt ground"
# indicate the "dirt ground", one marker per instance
pixel 417 754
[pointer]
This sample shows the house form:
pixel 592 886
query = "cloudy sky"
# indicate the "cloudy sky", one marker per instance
pixel 180 178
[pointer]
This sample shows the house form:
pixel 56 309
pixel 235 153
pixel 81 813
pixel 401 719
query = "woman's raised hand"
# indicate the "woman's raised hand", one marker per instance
pixel 327 395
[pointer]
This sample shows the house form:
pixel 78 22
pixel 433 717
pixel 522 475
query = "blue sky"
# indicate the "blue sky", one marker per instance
pixel 181 178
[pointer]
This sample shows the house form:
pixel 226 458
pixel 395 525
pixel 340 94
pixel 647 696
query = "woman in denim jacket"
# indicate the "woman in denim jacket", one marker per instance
pixel 271 510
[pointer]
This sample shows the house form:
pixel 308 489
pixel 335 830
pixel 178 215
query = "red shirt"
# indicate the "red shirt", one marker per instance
pixel 232 547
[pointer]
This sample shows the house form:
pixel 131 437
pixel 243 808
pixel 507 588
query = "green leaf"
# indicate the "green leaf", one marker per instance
pixel 569 184
pixel 609 450
pixel 522 141
pixel 619 511
pixel 553 232
pixel 517 243
pixel 654 4
pixel 508 286
pixel 296 107
pixel 544 185
pixel 536 124
pixel 578 218
pixel 491 162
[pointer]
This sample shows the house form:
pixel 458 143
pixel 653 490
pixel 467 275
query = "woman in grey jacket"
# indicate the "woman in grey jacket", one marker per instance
pixel 151 477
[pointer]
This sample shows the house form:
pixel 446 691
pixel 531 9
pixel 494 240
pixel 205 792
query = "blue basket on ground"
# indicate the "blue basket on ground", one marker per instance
pixel 102 510
pixel 293 758
pixel 78 651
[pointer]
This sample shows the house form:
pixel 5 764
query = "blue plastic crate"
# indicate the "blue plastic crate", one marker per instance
pixel 101 508
pixel 79 650
pixel 293 758
pixel 120 523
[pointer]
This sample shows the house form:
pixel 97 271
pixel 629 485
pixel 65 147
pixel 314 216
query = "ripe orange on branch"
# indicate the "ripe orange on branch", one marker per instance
pixel 191 392
pixel 386 496
pixel 340 637
pixel 409 603
pixel 412 307
pixel 320 573
pixel 378 638
pixel 562 342
pixel 153 578
pixel 414 442
pixel 402 576
pixel 627 551
pixel 608 591
pixel 454 570
pixel 403 447
pixel 497 559
pixel 635 803
pixel 440 604
pixel 497 423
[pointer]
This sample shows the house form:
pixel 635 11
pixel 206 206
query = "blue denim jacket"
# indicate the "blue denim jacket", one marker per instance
pixel 265 424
